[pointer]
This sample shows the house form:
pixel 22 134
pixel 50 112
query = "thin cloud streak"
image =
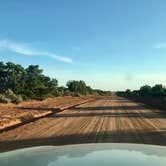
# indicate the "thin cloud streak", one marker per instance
pixel 24 50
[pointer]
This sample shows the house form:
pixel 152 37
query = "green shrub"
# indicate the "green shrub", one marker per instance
pixel 18 99
pixel 9 94
pixel 24 97
pixel 3 99
pixel 76 94
pixel 68 93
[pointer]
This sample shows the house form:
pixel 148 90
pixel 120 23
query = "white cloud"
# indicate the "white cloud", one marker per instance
pixel 160 45
pixel 24 50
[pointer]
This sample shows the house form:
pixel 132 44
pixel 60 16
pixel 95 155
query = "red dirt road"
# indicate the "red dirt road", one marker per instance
pixel 104 120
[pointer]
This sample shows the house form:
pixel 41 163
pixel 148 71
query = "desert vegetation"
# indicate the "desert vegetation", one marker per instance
pixel 155 95
pixel 155 91
pixel 75 113
pixel 18 83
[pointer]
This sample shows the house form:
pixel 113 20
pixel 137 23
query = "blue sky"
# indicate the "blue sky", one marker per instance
pixel 111 44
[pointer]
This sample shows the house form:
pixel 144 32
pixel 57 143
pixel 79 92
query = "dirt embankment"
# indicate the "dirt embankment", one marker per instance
pixel 12 114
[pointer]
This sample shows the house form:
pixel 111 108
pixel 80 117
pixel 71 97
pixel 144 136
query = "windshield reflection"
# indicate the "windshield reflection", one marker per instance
pixel 87 154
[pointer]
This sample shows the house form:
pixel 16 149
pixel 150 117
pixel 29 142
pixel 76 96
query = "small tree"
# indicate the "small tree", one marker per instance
pixel 146 90
pixel 158 90
pixel 77 86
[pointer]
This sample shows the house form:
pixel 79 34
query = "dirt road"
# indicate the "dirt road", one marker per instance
pixel 105 120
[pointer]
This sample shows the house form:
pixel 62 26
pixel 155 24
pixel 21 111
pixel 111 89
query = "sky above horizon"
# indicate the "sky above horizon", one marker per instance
pixel 110 44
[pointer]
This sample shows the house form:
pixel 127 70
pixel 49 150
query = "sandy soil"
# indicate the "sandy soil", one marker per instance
pixel 105 120
pixel 12 114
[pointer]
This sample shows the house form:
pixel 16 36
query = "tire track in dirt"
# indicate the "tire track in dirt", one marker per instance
pixel 105 120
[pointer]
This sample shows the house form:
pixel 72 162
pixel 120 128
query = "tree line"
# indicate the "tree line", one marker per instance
pixel 157 90
pixel 18 83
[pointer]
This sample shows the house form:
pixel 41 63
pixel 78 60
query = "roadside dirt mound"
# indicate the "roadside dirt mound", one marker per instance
pixel 12 114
